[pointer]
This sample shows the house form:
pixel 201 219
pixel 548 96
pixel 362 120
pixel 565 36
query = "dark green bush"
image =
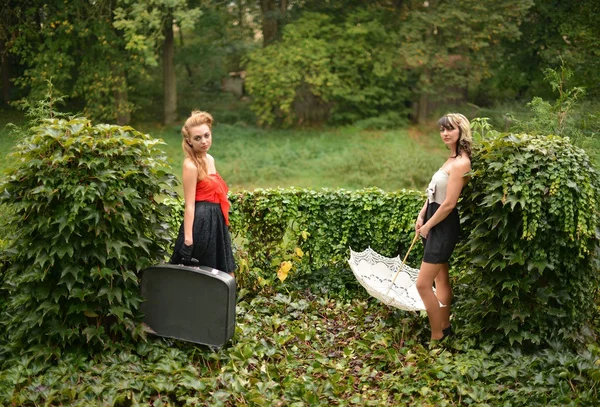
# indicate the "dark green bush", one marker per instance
pixel 529 268
pixel 83 206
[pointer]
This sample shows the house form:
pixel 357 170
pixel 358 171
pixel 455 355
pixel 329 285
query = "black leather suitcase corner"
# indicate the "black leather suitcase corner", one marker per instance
pixel 195 304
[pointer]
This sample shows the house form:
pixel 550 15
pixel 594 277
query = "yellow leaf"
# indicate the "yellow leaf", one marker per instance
pixel 299 252
pixel 284 269
pixel 305 234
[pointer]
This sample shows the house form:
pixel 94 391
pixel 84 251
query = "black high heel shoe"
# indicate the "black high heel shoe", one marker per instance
pixel 447 332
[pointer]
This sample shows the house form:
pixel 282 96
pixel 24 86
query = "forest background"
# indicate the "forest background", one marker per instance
pixel 314 66
pixel 287 63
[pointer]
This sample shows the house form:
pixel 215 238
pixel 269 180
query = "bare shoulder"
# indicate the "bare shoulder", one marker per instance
pixel 462 164
pixel 210 164
pixel 189 165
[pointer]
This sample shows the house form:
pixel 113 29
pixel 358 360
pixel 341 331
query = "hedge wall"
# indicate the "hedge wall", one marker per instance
pixel 305 231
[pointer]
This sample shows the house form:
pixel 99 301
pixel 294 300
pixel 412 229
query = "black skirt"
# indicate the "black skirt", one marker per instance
pixel 212 241
pixel 442 238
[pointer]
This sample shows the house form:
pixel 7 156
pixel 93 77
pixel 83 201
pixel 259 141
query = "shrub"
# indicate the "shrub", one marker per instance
pixel 529 262
pixel 566 116
pixel 83 205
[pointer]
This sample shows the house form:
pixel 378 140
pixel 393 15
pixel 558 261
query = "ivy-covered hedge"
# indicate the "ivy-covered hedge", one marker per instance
pixel 81 203
pixel 529 264
pixel 312 230
pixel 324 224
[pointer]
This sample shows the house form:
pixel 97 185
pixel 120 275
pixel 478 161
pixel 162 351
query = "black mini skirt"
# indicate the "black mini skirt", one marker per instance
pixel 442 238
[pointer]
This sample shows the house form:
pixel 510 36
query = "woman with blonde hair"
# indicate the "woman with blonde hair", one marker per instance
pixel 438 223
pixel 204 237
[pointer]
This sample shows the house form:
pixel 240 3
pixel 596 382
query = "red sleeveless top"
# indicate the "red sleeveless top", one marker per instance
pixel 214 189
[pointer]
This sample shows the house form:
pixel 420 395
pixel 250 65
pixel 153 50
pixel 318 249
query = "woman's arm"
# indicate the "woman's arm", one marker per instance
pixel 190 178
pixel 456 181
pixel 421 217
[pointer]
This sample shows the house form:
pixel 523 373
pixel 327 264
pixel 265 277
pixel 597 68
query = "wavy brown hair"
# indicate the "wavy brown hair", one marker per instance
pixel 452 121
pixel 197 118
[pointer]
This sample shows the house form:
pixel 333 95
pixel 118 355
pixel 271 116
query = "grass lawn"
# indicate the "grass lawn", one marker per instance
pixel 249 157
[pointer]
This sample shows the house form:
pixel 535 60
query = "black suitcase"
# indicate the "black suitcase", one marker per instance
pixel 195 304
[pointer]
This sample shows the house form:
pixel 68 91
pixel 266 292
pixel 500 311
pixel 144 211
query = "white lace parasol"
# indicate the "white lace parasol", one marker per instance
pixel 387 279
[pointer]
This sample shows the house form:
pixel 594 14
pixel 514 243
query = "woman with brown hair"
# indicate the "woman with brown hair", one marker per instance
pixel 439 225
pixel 204 238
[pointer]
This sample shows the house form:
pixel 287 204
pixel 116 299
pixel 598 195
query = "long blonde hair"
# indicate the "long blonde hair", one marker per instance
pixel 452 121
pixel 197 118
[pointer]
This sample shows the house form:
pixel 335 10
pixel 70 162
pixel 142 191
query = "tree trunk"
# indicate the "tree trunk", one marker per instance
pixel 187 66
pixel 271 14
pixel 282 9
pixel 5 68
pixel 240 10
pixel 422 110
pixel 122 98
pixel 169 77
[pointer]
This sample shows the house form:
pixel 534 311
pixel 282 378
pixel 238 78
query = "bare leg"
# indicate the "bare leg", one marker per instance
pixel 427 275
pixel 443 292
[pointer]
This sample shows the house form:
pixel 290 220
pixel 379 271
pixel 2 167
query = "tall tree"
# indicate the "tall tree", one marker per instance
pixel 341 69
pixel 552 31
pixel 13 14
pixel 148 26
pixel 5 70
pixel 169 75
pixel 7 17
pixel 274 14
pixel 449 44
pixel 76 46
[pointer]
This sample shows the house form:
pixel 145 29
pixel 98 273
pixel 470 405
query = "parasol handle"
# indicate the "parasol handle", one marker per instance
pixel 403 261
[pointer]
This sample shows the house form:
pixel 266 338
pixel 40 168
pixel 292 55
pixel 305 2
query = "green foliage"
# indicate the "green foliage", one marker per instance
pixel 361 59
pixel 36 112
pixel 482 128
pixel 143 22
pixel 567 116
pixel 314 229
pixel 302 349
pixel 82 204
pixel 550 32
pixel 339 71
pixel 557 117
pixel 209 52
pixel 76 45
pixel 389 120
pixel 528 268
pixel 447 44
